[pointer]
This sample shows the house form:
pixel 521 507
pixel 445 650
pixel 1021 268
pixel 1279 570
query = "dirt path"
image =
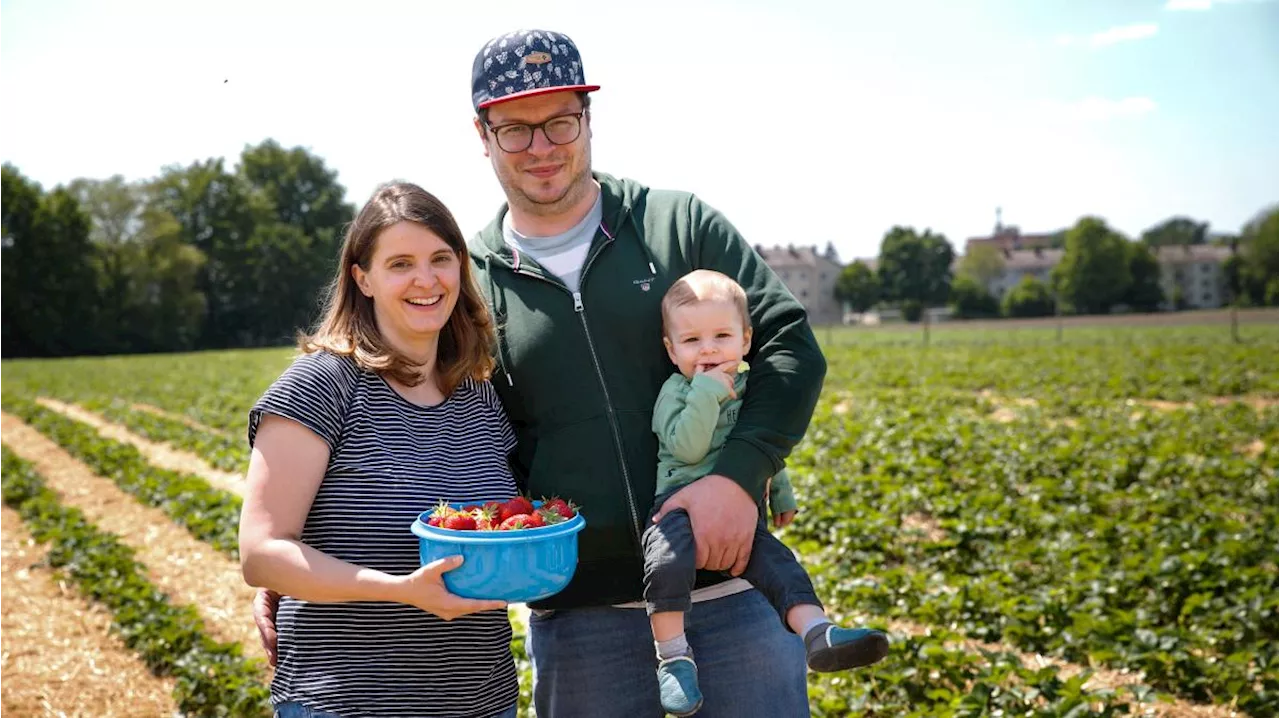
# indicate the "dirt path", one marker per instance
pixel 187 569
pixel 59 658
pixel 156 453
pixel 180 418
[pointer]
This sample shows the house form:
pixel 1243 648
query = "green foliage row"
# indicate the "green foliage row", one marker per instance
pixel 209 514
pixel 222 451
pixel 212 678
pixel 1144 542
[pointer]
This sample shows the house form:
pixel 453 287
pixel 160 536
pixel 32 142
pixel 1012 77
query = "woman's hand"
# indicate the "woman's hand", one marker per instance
pixel 425 589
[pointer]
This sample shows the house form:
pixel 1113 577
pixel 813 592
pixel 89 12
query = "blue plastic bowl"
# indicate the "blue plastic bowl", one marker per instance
pixel 513 566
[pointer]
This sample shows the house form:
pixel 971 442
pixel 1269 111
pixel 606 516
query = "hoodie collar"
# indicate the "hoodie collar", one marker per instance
pixel 618 198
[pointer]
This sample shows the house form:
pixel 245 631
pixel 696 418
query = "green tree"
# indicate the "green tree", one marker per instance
pixel 915 268
pixel 1259 251
pixel 1176 231
pixel 1028 298
pixel 300 190
pixel 1144 293
pixel 983 263
pixel 49 283
pixel 297 248
pixel 19 203
pixel 218 214
pixel 1094 272
pixel 971 300
pixel 146 273
pixel 858 287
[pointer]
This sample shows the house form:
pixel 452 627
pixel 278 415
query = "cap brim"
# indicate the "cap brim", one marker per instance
pixel 536 92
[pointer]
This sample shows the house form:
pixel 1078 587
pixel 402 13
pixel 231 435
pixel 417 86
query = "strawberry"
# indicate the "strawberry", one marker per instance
pixel 441 512
pixel 516 522
pixel 459 522
pixel 486 518
pixel 566 509
pixel 514 507
pixel 549 515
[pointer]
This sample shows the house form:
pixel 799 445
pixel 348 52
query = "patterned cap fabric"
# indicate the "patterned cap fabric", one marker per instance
pixel 524 63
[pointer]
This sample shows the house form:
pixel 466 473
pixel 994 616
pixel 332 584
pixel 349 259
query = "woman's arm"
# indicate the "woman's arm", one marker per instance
pixel 285 470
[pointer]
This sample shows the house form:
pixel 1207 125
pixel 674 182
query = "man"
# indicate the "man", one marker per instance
pixel 575 266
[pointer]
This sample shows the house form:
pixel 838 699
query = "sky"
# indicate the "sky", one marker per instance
pixel 804 121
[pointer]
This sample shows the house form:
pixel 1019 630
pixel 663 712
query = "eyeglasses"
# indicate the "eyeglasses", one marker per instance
pixel 559 130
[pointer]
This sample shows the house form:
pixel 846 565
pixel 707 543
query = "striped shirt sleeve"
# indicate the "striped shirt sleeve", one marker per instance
pixel 314 392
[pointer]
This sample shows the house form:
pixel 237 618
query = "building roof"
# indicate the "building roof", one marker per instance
pixel 793 256
pixel 1028 260
pixel 1192 253
pixel 1010 238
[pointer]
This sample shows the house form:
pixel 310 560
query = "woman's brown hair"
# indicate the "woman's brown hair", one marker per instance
pixel 348 327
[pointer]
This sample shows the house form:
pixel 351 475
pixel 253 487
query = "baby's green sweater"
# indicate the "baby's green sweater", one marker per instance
pixel 692 420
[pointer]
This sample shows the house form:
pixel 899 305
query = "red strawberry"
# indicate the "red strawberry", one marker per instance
pixel 470 508
pixel 514 507
pixel 433 521
pixel 486 518
pixel 459 522
pixel 566 509
pixel 549 515
pixel 516 522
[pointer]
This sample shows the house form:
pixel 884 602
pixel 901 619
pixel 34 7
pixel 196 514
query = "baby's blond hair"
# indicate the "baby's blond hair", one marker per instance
pixel 704 285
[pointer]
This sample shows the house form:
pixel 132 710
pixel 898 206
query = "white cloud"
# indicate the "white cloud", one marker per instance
pixel 1124 33
pixel 1096 109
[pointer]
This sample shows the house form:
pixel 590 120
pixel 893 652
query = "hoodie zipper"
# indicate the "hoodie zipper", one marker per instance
pixel 580 309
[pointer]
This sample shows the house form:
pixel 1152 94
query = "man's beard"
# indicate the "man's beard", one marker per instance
pixel 573 193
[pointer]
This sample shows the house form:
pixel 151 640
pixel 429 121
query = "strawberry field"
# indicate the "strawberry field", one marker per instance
pixel 1047 527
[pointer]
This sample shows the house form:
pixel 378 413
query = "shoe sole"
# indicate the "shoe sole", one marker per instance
pixel 856 654
pixel 690 712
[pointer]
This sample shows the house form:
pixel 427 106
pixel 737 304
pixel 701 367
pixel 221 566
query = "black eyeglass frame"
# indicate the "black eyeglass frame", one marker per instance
pixel 577 116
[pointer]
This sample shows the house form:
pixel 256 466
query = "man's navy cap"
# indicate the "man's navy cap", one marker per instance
pixel 525 63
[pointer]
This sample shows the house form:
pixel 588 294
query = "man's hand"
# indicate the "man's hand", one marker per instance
pixel 265 605
pixel 723 516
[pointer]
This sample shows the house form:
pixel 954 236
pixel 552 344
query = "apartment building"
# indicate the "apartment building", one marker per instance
pixel 1195 273
pixel 811 277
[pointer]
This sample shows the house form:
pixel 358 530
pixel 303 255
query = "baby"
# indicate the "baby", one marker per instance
pixel 707 331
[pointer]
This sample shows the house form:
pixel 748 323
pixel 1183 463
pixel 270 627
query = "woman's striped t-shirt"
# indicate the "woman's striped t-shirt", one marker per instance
pixel 390 460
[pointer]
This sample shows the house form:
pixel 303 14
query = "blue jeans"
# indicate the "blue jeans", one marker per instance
pixel 294 709
pixel 601 662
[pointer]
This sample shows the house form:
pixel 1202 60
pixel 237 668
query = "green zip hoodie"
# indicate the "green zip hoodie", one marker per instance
pixel 578 373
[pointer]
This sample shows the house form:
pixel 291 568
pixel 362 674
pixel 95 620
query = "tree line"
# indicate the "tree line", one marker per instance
pixel 1100 270
pixel 200 257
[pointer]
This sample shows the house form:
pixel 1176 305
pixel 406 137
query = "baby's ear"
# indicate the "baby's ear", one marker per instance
pixel 746 342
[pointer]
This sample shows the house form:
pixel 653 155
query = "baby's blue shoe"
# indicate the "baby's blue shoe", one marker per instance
pixel 678 686
pixel 832 648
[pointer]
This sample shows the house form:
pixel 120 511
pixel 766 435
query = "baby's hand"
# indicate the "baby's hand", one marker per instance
pixel 723 373
pixel 784 518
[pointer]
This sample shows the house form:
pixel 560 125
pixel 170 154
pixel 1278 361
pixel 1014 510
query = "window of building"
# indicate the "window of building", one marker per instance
pixel 1204 268
pixel 1207 297
pixel 1177 274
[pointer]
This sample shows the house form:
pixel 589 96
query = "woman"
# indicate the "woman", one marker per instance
pixel 387 412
